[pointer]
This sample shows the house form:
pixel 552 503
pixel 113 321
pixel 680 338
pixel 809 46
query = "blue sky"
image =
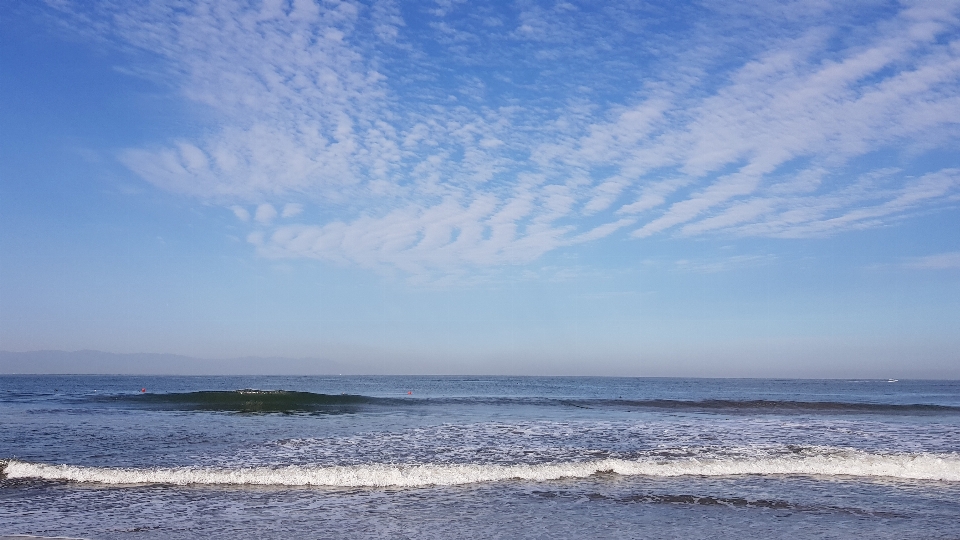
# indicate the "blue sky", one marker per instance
pixel 753 189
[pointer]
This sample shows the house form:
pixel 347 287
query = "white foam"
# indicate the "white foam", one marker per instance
pixel 942 467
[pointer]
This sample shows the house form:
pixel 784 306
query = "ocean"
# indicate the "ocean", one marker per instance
pixel 477 457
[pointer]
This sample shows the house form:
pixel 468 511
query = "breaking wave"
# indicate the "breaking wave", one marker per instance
pixel 847 463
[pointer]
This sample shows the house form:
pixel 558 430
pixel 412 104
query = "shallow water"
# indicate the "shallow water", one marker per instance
pixel 435 457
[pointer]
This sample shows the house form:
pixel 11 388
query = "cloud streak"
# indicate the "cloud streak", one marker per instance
pixel 940 261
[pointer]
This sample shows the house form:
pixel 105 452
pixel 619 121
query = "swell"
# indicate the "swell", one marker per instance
pixel 290 401
pixel 731 502
pixel 773 406
pixel 844 464
pixel 248 401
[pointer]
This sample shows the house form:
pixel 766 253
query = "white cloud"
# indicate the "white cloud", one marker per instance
pixel 241 213
pixel 752 119
pixel 265 213
pixel 482 231
pixel 851 208
pixel 796 101
pixel 291 210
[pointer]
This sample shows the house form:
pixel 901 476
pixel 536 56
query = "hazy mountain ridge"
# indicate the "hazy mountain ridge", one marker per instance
pixel 90 362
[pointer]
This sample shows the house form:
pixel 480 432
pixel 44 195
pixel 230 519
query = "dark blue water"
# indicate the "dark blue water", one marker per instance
pixel 437 457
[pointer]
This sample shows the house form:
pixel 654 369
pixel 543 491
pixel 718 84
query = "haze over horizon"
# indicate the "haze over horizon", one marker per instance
pixel 518 187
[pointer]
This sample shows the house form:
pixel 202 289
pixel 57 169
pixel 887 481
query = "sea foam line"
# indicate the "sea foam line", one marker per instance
pixel 943 467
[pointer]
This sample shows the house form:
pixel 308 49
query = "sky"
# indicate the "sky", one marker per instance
pixel 721 189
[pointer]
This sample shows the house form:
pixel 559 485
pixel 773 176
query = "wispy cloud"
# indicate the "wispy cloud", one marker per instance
pixel 708 264
pixel 291 210
pixel 241 213
pixel 940 261
pixel 466 136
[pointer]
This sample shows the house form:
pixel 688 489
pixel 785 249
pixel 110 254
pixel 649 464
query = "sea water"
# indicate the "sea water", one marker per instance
pixel 478 457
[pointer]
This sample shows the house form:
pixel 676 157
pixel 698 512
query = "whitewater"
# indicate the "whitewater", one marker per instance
pixel 838 464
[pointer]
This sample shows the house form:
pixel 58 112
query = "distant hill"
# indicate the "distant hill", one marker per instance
pixel 104 363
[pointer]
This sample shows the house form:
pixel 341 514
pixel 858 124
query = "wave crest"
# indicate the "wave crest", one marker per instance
pixel 938 467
